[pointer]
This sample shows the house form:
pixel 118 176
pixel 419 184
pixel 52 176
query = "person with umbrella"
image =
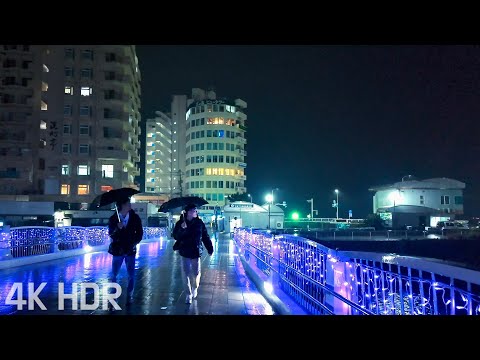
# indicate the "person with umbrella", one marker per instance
pixel 190 232
pixel 126 230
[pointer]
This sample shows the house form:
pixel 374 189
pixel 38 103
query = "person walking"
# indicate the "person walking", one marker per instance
pixel 190 233
pixel 125 229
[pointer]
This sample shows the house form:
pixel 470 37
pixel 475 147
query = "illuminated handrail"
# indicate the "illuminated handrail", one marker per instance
pixel 37 240
pixel 323 280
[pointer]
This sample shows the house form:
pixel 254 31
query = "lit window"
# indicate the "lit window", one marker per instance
pixel 65 189
pixel 106 188
pixel 107 171
pixel 43 125
pixel 83 170
pixel 65 169
pixel 43 105
pixel 83 189
pixel 86 91
pixel 69 90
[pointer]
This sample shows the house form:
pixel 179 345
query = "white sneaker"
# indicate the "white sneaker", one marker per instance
pixel 195 293
pixel 188 300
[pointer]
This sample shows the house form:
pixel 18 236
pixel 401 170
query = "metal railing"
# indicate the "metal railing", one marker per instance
pixel 364 233
pixel 325 281
pixel 38 240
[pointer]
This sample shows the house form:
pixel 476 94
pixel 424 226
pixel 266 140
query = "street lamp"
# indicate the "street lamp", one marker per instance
pixel 269 200
pixel 251 199
pixel 336 192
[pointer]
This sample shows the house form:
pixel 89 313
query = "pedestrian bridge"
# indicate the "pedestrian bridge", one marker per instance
pixel 253 273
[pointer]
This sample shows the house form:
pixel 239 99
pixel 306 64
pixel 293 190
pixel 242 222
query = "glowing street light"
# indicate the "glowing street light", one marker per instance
pixel 269 198
pixel 295 216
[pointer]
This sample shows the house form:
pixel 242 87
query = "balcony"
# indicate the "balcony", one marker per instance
pixel 241 164
pixel 242 152
pixel 241 177
pixel 241 116
pixel 113 122
pixel 117 176
pixel 136 157
pixel 241 189
pixel 106 154
pixel 117 99
pixel 241 139
pixel 135 172
pixel 242 127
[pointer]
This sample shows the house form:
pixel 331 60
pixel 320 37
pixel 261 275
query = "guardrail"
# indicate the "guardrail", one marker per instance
pixel 37 240
pixel 326 281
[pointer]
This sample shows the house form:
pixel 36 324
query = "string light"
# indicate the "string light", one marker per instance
pixel 26 241
pixel 303 266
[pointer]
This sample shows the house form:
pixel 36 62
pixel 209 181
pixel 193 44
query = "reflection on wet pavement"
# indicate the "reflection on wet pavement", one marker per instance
pixel 224 287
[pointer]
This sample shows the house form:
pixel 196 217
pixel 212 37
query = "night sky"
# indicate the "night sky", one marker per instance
pixel 346 117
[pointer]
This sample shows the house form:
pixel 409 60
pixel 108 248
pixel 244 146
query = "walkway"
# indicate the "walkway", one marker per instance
pixel 224 287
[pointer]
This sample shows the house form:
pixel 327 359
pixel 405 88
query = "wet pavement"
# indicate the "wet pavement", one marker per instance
pixel 224 287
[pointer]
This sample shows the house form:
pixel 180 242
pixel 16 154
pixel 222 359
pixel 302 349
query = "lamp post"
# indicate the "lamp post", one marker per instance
pixel 251 198
pixel 336 192
pixel 311 207
pixel 269 200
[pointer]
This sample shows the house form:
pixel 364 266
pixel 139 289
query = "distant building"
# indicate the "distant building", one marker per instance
pixel 419 203
pixel 198 148
pixel 215 147
pixel 165 150
pixel 70 118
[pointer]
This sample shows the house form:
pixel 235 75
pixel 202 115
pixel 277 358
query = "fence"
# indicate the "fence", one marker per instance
pixel 326 281
pixel 34 240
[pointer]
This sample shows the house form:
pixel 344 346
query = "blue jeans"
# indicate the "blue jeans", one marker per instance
pixel 130 264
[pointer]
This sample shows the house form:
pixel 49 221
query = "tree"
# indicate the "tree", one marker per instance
pixel 238 197
pixel 374 220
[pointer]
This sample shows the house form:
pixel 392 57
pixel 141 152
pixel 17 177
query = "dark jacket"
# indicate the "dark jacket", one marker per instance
pixel 190 239
pixel 124 240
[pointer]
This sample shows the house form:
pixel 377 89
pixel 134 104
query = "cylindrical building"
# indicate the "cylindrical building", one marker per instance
pixel 215 148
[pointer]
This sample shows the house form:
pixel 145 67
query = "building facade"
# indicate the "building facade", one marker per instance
pixel 419 203
pixel 159 155
pixel 165 150
pixel 198 148
pixel 71 117
pixel 215 147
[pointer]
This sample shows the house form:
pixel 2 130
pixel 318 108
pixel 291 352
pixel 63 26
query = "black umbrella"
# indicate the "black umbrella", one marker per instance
pixel 182 202
pixel 113 196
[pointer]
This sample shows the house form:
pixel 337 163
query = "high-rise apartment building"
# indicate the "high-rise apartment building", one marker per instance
pixel 215 147
pixel 70 116
pixel 198 148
